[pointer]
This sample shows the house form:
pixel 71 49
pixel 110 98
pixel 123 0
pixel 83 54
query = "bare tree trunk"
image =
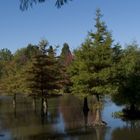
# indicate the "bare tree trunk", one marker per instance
pixel 97 97
pixel 34 103
pixel 44 106
pixel 14 104
pixel 14 101
pixel 98 116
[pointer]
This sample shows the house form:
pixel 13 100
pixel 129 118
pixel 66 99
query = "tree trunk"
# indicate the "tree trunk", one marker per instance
pixel 98 119
pixel 132 108
pixel 14 101
pixel 85 106
pixel 14 104
pixel 85 110
pixel 44 106
pixel 98 116
pixel 34 103
pixel 98 98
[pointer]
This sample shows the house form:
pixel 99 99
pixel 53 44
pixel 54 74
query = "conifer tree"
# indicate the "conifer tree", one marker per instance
pixel 42 76
pixel 65 60
pixel 66 55
pixel 90 71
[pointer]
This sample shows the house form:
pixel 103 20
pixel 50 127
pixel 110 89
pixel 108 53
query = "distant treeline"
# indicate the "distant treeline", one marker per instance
pixel 34 69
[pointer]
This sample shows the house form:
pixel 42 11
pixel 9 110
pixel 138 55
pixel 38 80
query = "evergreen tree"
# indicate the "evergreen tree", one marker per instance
pixel 66 55
pixel 42 76
pixel 55 70
pixel 65 60
pixel 90 71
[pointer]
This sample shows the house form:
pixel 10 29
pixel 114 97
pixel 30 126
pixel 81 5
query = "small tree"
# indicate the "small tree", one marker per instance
pixel 66 55
pixel 65 60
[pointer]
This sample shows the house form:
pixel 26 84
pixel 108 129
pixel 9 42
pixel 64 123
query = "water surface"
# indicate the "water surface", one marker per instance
pixel 63 121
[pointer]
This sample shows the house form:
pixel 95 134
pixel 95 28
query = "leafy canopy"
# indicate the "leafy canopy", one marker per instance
pixel 128 77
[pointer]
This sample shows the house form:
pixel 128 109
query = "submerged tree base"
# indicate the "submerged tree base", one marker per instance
pixel 127 114
pixel 101 123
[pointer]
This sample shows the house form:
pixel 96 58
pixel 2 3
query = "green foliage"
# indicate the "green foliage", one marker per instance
pixel 90 71
pixel 118 114
pixel 5 55
pixel 23 55
pixel 42 76
pixel 13 76
pixel 12 80
pixel 34 69
pixel 128 77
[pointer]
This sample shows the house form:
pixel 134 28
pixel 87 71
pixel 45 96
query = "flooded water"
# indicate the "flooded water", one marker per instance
pixel 63 121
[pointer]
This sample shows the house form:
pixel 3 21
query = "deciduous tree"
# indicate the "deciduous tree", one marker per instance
pixel 128 78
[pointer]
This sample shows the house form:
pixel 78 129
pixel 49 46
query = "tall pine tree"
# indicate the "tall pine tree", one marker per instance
pixel 90 71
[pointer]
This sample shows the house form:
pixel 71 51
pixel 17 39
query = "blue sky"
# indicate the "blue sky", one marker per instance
pixel 68 24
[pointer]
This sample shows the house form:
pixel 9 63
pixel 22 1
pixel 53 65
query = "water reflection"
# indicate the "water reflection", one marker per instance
pixel 80 121
pixel 66 118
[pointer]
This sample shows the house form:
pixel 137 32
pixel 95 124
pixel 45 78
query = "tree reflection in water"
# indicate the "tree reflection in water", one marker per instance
pixel 78 119
pixel 71 109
